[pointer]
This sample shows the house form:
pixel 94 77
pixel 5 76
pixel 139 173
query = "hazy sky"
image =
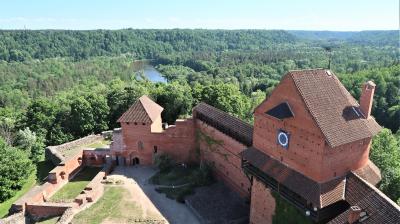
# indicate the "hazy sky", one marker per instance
pixel 224 14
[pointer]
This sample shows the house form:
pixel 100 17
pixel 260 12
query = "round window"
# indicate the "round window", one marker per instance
pixel 283 139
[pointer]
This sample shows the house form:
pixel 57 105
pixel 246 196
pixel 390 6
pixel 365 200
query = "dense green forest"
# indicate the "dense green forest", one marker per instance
pixel 57 86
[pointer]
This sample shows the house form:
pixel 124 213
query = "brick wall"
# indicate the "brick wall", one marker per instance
pixel 306 145
pixel 224 154
pixel 263 204
pixel 47 209
pixel 308 151
pixel 140 142
pixel 339 160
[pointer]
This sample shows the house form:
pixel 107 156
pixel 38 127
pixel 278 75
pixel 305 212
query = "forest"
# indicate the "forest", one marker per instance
pixel 59 85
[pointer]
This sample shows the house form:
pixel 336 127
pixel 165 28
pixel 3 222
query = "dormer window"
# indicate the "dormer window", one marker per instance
pixel 281 111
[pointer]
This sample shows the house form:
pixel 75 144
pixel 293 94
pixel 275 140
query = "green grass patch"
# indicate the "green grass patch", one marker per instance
pixel 286 213
pixel 193 175
pixel 36 178
pixel 176 176
pixel 52 220
pixel 99 144
pixel 75 186
pixel 114 206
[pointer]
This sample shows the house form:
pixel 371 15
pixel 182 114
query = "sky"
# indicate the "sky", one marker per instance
pixel 336 15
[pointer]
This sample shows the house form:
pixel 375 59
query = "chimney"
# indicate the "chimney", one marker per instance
pixel 354 214
pixel 367 96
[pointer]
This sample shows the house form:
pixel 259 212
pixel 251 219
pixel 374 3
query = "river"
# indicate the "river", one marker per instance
pixel 149 71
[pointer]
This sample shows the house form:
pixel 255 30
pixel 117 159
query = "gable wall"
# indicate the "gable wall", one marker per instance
pixel 306 144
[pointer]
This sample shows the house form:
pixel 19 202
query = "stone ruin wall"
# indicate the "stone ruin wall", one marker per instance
pixel 54 153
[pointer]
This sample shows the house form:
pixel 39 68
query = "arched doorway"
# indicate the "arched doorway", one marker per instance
pixel 135 161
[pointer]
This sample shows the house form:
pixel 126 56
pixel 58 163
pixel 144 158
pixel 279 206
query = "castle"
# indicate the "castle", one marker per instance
pixel 310 144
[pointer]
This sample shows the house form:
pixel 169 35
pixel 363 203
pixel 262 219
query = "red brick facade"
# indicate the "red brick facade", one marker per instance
pixel 263 205
pixel 224 154
pixel 308 152
pixel 141 144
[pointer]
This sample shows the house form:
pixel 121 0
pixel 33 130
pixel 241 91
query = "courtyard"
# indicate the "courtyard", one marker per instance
pixel 129 198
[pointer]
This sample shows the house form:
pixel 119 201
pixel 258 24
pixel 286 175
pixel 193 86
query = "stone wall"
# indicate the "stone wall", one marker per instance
pixel 95 157
pixel 17 218
pixel 117 143
pixel 262 208
pixel 67 216
pixel 55 153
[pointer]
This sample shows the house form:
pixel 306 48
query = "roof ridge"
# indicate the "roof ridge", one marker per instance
pixel 145 109
pixel 308 106
pixel 376 190
pixel 236 118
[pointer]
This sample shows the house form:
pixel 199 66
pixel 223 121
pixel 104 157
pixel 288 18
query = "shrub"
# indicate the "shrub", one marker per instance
pixel 15 167
pixel 203 175
pixel 164 162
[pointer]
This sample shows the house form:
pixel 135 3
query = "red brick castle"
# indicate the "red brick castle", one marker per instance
pixel 310 144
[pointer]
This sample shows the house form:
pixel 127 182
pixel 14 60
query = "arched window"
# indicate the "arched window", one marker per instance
pixel 140 145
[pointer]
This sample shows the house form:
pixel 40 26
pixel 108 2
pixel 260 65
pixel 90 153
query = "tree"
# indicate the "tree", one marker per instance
pixel 40 116
pixel 15 167
pixel 33 145
pixel 100 111
pixel 7 126
pixel 81 117
pixel 385 153
pixel 121 97
pixel 226 97
pixel 177 100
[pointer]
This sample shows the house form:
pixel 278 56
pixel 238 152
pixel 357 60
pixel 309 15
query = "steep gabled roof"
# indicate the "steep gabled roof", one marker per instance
pixel 144 110
pixel 330 104
pixel 224 122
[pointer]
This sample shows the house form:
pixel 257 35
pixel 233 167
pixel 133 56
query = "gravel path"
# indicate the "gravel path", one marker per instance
pixel 137 182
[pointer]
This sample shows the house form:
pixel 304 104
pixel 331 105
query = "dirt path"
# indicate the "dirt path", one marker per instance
pixel 136 181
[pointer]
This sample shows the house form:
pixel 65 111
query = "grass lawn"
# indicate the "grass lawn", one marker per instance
pixel 74 187
pixel 36 178
pixel 114 207
pixel 176 176
pixel 285 213
pixel 99 144
pixel 49 220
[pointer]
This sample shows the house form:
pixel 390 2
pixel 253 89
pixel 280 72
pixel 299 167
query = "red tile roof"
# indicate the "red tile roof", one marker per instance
pixel 370 173
pixel 144 110
pixel 224 122
pixel 330 104
pixel 378 207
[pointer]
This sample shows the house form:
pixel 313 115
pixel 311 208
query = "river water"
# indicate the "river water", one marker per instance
pixel 149 71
